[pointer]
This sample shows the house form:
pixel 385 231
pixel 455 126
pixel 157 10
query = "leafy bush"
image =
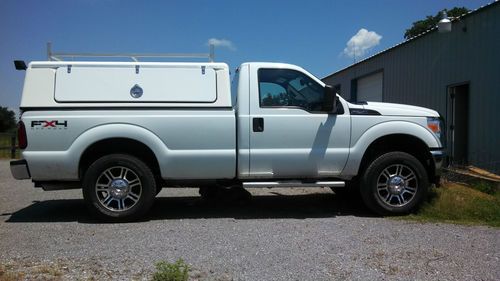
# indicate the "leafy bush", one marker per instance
pixel 166 271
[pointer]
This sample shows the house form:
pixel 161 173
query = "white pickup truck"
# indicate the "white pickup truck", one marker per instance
pixel 123 130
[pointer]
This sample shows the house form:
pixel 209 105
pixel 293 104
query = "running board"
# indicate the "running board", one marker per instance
pixel 293 184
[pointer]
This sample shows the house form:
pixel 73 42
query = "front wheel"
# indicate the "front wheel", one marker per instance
pixel 119 187
pixel 394 183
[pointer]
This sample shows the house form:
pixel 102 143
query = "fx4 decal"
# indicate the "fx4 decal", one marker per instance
pixel 46 124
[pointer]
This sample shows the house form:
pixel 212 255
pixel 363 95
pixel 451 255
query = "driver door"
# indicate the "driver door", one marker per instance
pixel 290 135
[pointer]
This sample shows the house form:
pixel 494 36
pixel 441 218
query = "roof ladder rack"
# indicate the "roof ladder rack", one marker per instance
pixel 52 56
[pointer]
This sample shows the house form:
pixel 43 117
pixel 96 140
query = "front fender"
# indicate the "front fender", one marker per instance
pixel 359 146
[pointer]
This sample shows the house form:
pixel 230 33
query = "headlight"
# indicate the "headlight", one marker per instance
pixel 436 125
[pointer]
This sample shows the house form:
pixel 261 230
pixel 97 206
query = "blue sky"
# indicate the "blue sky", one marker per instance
pixel 312 34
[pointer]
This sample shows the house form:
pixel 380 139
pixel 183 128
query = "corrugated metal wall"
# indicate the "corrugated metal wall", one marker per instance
pixel 418 72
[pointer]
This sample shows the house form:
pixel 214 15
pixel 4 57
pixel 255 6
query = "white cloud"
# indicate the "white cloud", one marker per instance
pixel 360 43
pixel 221 43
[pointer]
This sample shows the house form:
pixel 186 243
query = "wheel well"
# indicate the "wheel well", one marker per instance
pixel 399 142
pixel 118 145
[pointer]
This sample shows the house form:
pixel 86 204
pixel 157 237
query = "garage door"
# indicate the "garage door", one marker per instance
pixel 370 87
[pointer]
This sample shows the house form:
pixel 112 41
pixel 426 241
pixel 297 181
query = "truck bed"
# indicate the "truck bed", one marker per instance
pixel 189 144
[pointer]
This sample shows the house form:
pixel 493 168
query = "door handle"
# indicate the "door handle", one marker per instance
pixel 258 124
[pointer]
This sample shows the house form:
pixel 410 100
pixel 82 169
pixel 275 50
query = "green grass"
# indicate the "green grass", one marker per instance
pixel 461 204
pixel 177 271
pixel 484 186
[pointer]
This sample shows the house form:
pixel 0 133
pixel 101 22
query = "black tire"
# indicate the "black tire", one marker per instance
pixel 403 191
pixel 134 191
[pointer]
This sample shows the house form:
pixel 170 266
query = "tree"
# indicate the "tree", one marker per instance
pixel 7 119
pixel 429 22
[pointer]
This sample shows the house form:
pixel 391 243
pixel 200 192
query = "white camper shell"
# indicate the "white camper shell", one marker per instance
pixel 129 84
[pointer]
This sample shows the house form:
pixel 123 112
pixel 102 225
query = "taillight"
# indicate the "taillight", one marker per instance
pixel 21 135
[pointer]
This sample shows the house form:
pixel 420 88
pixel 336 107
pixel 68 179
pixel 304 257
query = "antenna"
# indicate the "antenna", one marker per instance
pixel 211 46
pixel 354 50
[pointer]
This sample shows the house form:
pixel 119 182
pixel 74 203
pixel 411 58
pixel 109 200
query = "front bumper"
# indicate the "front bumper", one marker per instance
pixel 19 169
pixel 438 157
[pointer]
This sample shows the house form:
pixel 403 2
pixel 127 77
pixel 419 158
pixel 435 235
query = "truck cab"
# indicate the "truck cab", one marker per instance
pixel 290 125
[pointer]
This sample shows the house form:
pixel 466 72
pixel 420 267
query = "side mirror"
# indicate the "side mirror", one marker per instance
pixel 329 100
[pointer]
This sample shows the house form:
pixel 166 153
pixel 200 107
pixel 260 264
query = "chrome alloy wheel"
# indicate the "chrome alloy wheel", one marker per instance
pixel 397 185
pixel 118 188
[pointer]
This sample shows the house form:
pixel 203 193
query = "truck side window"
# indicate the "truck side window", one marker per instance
pixel 289 88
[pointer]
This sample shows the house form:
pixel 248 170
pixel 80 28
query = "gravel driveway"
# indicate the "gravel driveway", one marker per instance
pixel 280 234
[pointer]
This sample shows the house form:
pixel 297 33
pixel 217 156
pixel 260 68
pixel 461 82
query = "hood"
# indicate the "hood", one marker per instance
pixel 395 109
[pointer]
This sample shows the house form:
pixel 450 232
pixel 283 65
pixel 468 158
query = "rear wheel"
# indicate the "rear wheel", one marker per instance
pixel 119 187
pixel 394 183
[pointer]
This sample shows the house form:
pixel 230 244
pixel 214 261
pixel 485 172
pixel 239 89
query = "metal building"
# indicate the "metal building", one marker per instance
pixel 456 73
